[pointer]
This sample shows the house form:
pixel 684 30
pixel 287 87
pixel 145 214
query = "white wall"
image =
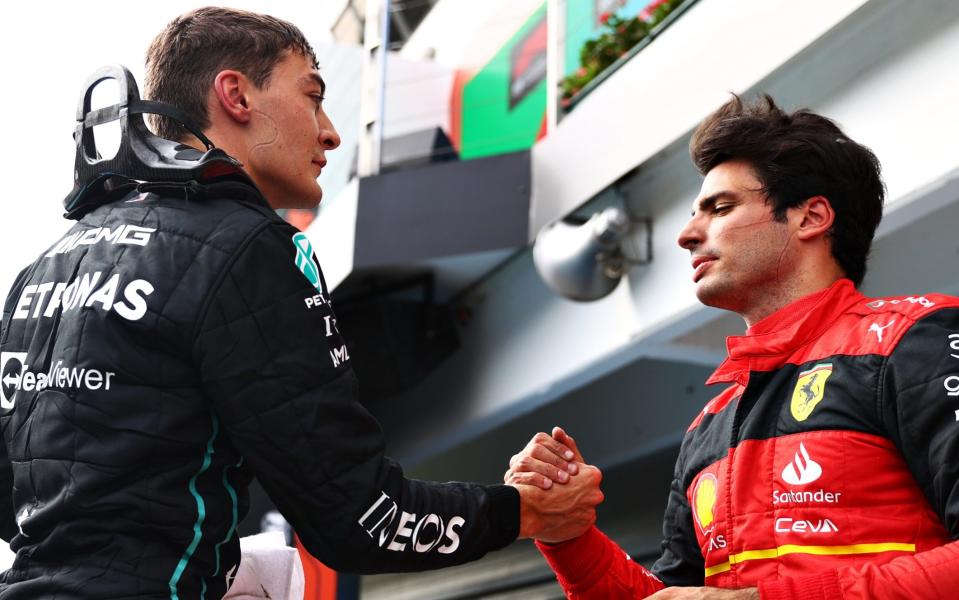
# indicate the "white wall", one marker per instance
pixel 714 48
pixel 525 344
pixel 907 110
pixel 465 34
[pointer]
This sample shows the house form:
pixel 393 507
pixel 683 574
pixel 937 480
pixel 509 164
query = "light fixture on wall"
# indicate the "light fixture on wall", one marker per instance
pixel 584 260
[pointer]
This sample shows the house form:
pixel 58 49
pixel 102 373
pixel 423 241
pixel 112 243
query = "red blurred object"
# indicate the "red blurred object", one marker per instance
pixel 460 78
pixel 320 580
pixel 300 217
pixel 647 13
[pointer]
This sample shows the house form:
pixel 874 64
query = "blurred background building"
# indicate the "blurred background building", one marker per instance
pixel 476 124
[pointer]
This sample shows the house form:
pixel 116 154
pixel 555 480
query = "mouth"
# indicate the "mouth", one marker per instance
pixel 321 162
pixel 700 265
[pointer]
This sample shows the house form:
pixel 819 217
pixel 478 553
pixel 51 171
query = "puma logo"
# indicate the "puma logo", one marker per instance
pixel 879 329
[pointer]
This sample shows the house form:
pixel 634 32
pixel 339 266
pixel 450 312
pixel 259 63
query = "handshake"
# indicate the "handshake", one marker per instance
pixel 558 490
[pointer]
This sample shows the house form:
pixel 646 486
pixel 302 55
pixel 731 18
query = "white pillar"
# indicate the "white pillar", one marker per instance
pixel 376 37
pixel 555 59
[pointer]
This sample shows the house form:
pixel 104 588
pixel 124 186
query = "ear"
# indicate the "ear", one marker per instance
pixel 815 217
pixel 230 91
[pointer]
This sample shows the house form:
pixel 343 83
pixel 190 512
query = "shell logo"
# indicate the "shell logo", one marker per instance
pixel 704 500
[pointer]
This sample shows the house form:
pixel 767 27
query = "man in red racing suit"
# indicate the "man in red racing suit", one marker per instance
pixel 828 467
pixel 825 469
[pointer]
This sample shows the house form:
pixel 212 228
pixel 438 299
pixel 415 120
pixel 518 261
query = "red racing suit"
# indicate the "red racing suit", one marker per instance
pixel 828 468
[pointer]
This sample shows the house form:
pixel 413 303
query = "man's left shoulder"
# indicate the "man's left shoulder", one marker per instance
pixel 880 323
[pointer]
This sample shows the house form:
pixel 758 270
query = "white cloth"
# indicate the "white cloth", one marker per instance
pixel 268 569
pixel 6 556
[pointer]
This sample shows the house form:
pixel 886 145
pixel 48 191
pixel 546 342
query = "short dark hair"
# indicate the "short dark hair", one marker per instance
pixel 797 156
pixel 185 57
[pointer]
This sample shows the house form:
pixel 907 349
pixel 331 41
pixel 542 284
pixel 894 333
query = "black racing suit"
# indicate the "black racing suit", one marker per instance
pixel 171 347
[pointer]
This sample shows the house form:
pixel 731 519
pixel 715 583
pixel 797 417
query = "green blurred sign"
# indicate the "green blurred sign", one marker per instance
pixel 504 104
pixel 503 107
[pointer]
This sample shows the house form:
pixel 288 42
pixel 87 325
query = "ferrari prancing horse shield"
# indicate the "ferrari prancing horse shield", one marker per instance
pixel 809 390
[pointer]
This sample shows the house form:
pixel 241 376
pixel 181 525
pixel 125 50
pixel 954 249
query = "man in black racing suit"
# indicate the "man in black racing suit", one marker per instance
pixel 180 341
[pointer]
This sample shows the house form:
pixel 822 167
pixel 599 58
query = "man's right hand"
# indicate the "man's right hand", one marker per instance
pixel 565 511
pixel 546 459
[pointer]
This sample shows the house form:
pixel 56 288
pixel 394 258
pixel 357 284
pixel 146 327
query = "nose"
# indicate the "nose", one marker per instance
pixel 329 138
pixel 691 235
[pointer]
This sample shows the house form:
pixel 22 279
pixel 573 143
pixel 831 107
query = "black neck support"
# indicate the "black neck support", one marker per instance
pixel 142 156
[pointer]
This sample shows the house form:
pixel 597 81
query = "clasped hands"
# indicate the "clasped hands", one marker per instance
pixel 559 492
pixel 558 497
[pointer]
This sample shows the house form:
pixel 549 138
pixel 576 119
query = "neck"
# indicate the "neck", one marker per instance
pixel 192 141
pixel 795 288
pixel 220 137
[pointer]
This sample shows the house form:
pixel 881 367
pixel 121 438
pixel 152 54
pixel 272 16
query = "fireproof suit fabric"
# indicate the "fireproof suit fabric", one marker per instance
pixel 828 468
pixel 168 349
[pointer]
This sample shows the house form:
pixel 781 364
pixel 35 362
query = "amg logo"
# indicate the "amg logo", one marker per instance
pixel 133 235
pixel 339 355
pixel 423 535
pixel 84 291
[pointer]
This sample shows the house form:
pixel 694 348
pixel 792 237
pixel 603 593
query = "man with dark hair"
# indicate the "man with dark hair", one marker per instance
pixel 828 467
pixel 795 157
pixel 179 341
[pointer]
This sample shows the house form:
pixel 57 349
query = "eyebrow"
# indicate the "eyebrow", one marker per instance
pixel 710 201
pixel 314 78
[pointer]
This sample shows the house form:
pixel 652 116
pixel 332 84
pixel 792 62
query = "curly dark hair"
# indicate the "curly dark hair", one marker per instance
pixel 185 57
pixel 797 156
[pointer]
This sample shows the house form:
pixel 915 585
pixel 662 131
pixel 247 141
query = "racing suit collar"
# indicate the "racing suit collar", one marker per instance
pixel 768 343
